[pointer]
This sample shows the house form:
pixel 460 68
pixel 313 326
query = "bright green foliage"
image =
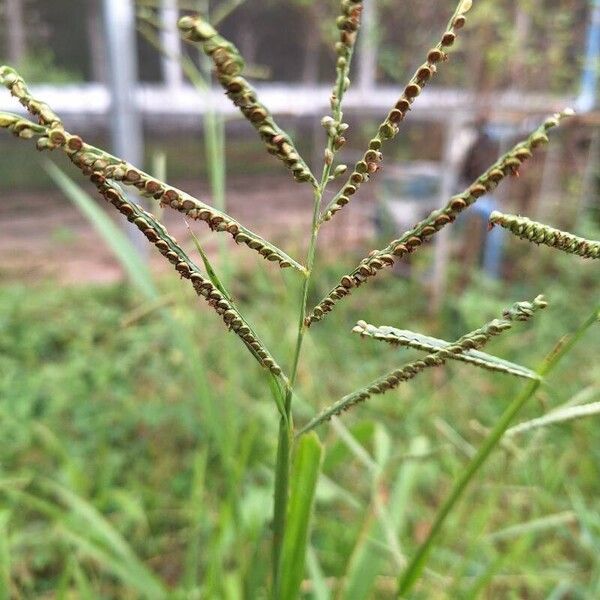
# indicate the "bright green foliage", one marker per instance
pixel 305 472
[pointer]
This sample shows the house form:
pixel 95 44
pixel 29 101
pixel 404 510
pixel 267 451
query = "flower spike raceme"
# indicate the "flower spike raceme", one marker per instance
pixel 229 66
pixel 369 164
pixel 538 233
pixel 521 311
pixel 410 339
pixel 156 233
pixel 91 159
pixel 412 239
pixel 348 24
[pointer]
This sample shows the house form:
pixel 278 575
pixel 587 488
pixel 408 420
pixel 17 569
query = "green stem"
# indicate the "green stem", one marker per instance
pixel 419 560
pixel 286 426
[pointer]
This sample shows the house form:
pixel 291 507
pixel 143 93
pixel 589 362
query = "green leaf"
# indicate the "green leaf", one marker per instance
pixel 114 237
pixel 305 472
pixel 367 560
pixel 207 265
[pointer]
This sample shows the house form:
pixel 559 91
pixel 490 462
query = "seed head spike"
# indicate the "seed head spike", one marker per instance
pixel 474 340
pixel 229 67
pixel 420 233
pixel 538 233
pixel 90 159
pixel 389 128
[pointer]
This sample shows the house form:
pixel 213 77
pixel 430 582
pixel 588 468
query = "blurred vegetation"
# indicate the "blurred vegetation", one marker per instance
pixel 532 44
pixel 114 430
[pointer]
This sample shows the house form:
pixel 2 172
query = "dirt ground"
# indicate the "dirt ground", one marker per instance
pixel 42 235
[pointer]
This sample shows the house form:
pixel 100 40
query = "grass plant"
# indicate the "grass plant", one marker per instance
pixel 303 461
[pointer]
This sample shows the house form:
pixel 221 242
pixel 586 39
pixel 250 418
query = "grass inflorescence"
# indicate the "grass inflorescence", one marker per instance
pixel 294 483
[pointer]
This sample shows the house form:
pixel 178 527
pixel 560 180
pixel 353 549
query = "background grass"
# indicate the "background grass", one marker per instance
pixel 126 453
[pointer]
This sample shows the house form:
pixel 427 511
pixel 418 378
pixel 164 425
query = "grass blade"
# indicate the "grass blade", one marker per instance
pixel 305 472
pixel 320 590
pixel 557 416
pixel 4 555
pixel 410 576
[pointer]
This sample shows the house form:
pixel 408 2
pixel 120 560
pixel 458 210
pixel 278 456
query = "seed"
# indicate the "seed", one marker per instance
pixel 412 90
pixel 75 143
pixel 496 175
pixel 132 175
pixel 361 167
pixel 151 235
pixel 424 73
pixel 477 190
pixel 395 116
pixel 457 204
pixel 183 268
pixel 448 38
pixel 387 131
pixel 435 55
pixel 459 22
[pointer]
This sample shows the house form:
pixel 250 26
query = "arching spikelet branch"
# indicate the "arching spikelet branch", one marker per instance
pixel 369 164
pixel 156 233
pixel 539 233
pixel 91 159
pixel 415 237
pixel 411 339
pixel 18 88
pixel 229 66
pixel 521 311
pixel 348 24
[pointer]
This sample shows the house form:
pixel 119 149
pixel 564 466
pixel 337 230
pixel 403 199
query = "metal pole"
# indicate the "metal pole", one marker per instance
pixel 126 125
pixel 171 42
pixel 452 157
pixel 15 31
pixel 367 47
pixel 588 95
pixel 588 101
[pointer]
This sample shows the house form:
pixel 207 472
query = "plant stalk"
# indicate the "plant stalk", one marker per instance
pixel 286 425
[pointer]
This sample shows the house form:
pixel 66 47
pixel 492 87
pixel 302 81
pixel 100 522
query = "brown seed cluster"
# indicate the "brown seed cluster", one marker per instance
pixel 370 162
pixel 377 260
pixel 51 135
pixel 171 250
pixel 348 24
pixel 521 311
pixel 228 70
pixel 16 84
pixel 538 233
